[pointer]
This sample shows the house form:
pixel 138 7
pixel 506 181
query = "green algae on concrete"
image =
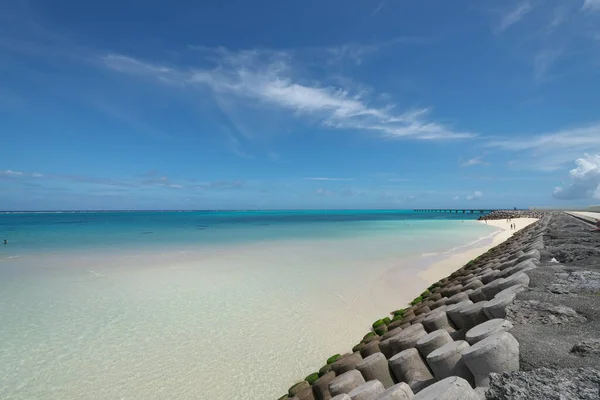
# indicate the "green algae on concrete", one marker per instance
pixel 312 378
pixel 358 347
pixel 397 318
pixel 399 312
pixel 333 358
pixel 369 335
pixel 378 323
pixel 324 369
pixel 416 301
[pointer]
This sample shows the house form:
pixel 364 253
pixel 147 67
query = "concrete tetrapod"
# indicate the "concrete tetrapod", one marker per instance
pixel 433 341
pixel 342 396
pixel 473 284
pixel 447 361
pixel 520 278
pixel 305 394
pixel 437 320
pixel 473 314
pixel 452 388
pixel 497 353
pixel 477 295
pixel 376 367
pixel 346 382
pixel 488 328
pixel 511 290
pixel 367 391
pixel 401 391
pixel 370 348
pixel 492 288
pixel 346 363
pixel 496 308
pixel 385 346
pixel 439 303
pixel 392 332
pixel 407 341
pixel 457 298
pixel 418 319
pixel 321 386
pixel 409 367
pixel 489 276
pixel 453 313
pixel 405 332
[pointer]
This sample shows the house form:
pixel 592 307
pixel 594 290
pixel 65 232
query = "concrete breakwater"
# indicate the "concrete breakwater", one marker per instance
pixel 471 336
pixel 513 214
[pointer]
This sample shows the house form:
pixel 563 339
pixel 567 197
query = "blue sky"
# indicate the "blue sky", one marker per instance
pixel 313 104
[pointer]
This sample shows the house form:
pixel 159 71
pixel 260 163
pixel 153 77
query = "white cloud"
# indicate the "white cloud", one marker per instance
pixel 398 180
pixel 551 151
pixel 514 15
pixel 323 192
pixel 15 174
pixel 328 179
pixel 474 161
pixel 585 180
pixel 268 78
pixel 543 61
pixel 10 172
pixel 591 5
pixel 476 195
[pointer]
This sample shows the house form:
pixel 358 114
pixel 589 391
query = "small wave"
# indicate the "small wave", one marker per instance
pixel 146 233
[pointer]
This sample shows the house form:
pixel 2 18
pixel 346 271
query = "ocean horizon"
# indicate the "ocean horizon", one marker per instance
pixel 147 305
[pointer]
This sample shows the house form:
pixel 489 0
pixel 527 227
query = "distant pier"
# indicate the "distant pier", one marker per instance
pixel 450 210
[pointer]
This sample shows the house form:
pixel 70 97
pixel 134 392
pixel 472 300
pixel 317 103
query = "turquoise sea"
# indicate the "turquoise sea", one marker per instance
pixel 61 230
pixel 201 304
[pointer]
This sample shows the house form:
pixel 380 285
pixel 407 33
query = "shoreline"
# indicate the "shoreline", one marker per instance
pixel 444 267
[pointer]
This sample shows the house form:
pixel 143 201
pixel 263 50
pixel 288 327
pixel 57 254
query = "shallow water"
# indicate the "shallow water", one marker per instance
pixel 237 310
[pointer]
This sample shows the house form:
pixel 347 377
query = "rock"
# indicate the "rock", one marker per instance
pixel 534 311
pixel 586 347
pixel 545 384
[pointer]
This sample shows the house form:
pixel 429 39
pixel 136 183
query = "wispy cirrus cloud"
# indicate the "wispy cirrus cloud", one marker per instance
pixel 544 60
pixel 378 8
pixel 18 174
pixel 591 5
pixel 514 15
pixel 268 79
pixel 551 151
pixel 328 179
pixel 474 161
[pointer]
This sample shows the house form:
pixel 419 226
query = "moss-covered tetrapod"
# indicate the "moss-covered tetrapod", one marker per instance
pixel 333 358
pixel 416 301
pixel 312 378
pixel 378 323
pixel 324 369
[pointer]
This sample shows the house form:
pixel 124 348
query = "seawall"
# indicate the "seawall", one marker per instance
pixel 489 330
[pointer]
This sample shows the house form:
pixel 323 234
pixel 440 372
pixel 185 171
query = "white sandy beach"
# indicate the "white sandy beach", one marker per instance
pixel 449 264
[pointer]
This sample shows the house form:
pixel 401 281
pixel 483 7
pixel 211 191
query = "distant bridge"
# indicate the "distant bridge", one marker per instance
pixel 449 210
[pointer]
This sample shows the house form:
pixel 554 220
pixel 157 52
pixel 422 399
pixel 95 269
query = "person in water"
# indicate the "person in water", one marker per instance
pixel 5 241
